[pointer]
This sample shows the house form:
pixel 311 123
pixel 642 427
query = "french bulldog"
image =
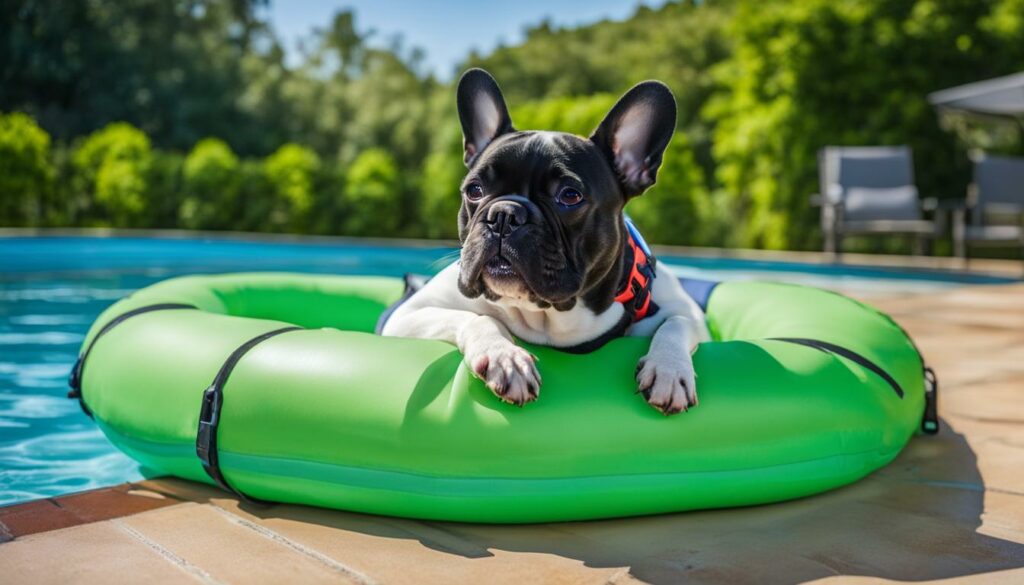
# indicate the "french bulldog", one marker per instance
pixel 548 256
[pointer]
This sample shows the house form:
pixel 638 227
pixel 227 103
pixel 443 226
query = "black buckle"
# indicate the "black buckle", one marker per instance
pixel 206 436
pixel 75 379
pixel 930 419
pixel 639 296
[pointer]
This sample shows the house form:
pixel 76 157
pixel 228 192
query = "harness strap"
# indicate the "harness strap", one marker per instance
pixel 75 378
pixel 638 276
pixel 209 414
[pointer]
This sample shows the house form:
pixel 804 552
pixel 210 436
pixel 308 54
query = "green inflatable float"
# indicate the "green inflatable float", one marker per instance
pixel 274 386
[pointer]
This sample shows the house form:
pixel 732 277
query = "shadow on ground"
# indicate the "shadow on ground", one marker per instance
pixel 916 519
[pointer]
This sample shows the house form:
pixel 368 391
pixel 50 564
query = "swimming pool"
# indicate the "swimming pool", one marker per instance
pixel 52 288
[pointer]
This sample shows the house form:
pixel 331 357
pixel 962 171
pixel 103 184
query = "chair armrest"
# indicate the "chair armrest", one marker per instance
pixel 832 197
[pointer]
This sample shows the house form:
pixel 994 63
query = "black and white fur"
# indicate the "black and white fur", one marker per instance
pixel 536 265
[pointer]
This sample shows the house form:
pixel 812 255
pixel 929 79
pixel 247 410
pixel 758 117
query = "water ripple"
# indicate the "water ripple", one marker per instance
pixel 49 320
pixel 44 338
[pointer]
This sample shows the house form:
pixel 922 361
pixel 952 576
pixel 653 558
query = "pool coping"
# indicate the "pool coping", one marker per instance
pixel 21 519
pixel 1003 268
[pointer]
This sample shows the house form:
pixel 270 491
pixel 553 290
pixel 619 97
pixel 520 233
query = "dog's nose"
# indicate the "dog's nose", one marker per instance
pixel 505 217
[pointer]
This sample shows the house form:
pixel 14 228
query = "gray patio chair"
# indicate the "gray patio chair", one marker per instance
pixel 870 190
pixel 995 205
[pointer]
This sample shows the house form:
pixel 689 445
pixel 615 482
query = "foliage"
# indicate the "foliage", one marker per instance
pixel 443 172
pixel 166 191
pixel 372 184
pixel 210 183
pixel 26 173
pixel 168 67
pixel 112 166
pixel 291 174
pixel 845 72
pixel 579 115
pixel 372 143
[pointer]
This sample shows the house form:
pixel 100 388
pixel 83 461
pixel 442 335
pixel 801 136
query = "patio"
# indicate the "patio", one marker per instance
pixel 950 506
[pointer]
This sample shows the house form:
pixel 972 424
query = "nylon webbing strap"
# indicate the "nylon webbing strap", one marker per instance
pixel 930 419
pixel 75 379
pixel 209 413
pixel 848 354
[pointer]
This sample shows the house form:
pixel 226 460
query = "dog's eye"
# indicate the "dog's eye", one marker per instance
pixel 474 192
pixel 569 197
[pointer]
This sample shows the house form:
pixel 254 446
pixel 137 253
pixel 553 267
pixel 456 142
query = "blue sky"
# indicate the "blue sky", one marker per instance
pixel 445 29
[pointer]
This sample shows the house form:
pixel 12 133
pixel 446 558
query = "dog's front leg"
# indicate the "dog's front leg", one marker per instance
pixel 507 369
pixel 665 375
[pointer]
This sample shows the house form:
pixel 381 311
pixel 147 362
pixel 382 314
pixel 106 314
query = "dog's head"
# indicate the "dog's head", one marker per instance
pixel 541 216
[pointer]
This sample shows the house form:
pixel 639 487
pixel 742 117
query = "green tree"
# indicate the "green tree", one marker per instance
pixel 577 115
pixel 291 172
pixel 112 166
pixel 443 172
pixel 168 67
pixel 26 173
pixel 373 194
pixel 210 181
pixel 676 43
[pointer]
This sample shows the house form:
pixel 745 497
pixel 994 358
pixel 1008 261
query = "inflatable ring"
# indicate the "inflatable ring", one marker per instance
pixel 273 386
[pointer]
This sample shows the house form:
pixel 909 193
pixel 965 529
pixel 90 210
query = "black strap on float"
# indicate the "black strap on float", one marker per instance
pixel 930 420
pixel 930 417
pixel 209 414
pixel 848 354
pixel 75 379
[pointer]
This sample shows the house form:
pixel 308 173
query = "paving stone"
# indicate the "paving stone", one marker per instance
pixel 92 553
pixel 232 551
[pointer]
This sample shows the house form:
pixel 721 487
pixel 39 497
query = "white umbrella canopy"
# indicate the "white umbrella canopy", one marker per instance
pixel 1002 96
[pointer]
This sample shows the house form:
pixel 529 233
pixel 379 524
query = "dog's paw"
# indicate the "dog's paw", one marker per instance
pixel 509 371
pixel 667 382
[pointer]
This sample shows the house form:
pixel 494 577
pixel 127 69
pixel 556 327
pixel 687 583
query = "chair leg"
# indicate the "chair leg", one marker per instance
pixel 959 234
pixel 830 240
pixel 918 249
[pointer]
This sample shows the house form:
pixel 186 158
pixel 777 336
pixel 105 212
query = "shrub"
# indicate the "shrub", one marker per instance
pixel 256 198
pixel 26 174
pixel 291 173
pixel 373 195
pixel 327 215
pixel 210 183
pixel 165 190
pixel 112 165
pixel 443 172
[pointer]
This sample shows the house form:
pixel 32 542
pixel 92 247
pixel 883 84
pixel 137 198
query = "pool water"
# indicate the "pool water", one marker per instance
pixel 51 290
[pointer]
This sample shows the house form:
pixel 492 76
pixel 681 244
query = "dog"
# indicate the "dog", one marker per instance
pixel 548 255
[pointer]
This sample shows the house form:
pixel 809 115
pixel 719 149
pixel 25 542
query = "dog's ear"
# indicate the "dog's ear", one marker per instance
pixel 634 134
pixel 482 112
